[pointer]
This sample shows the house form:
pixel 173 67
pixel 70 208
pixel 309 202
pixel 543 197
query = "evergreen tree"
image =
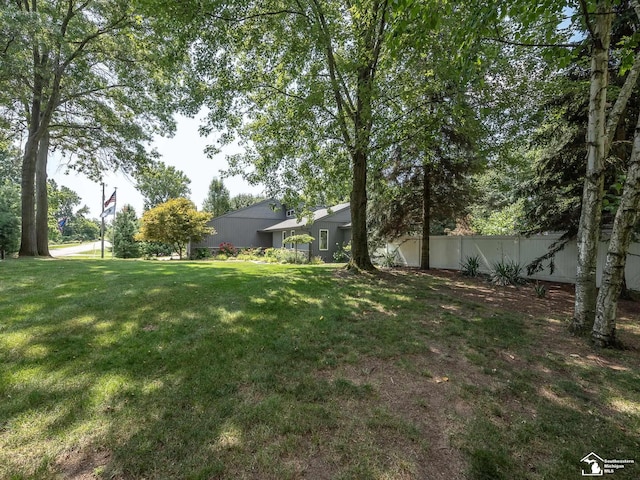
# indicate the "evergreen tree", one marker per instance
pixel 125 228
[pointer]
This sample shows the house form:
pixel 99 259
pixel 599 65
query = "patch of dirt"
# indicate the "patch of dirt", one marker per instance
pixel 556 305
pixel 434 402
pixel 82 464
pixel 426 396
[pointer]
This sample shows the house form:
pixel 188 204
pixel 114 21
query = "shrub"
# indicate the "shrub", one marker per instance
pixel 316 261
pixel 222 257
pixel 155 249
pixel 228 249
pixel 201 253
pixel 507 273
pixel 343 253
pixel 541 290
pixel 471 266
pixel 388 259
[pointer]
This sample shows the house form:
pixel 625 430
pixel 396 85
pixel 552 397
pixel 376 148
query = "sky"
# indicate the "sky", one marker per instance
pixel 184 151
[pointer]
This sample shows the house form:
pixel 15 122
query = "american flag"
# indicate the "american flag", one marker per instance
pixel 112 199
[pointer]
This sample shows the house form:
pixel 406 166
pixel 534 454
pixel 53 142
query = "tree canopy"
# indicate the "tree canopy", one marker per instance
pixel 159 183
pixel 218 200
pixel 175 222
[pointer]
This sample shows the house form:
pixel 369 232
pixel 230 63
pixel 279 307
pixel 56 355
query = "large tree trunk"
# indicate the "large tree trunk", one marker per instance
pixel 589 228
pixel 28 244
pixel 426 217
pixel 42 201
pixel 360 258
pixel 604 328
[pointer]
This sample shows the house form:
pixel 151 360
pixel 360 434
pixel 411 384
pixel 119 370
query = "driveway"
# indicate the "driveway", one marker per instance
pixel 85 247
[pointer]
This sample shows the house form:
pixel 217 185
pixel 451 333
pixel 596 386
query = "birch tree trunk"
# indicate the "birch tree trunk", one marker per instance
pixel 590 216
pixel 604 328
pixel 42 201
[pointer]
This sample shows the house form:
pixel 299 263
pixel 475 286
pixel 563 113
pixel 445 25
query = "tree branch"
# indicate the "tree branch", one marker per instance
pixel 532 45
pixel 334 79
pixel 587 19
pixel 257 15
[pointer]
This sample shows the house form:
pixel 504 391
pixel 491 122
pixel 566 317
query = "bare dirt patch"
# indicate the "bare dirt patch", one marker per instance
pixel 82 464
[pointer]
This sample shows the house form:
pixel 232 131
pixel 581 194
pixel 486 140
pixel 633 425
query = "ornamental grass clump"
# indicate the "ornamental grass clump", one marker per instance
pixel 507 272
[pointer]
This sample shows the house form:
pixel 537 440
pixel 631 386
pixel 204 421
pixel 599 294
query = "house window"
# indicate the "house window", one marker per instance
pixel 291 213
pixel 284 237
pixel 324 239
pixel 293 232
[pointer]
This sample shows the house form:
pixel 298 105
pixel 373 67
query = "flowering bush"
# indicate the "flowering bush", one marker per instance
pixel 227 249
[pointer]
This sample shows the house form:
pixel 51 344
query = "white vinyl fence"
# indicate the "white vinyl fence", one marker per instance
pixel 449 252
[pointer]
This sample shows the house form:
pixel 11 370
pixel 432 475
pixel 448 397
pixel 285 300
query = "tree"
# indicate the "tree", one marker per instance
pixel 9 218
pixel 175 222
pixel 243 200
pixel 160 183
pixel 298 83
pixel 82 76
pixel 217 202
pixel 125 228
pixel 296 240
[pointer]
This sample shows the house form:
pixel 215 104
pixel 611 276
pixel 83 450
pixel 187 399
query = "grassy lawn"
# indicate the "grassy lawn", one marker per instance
pixel 133 369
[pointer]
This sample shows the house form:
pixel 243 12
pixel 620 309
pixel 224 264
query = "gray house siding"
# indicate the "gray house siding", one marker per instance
pixel 336 236
pixel 245 228
pixel 242 228
pixel 277 238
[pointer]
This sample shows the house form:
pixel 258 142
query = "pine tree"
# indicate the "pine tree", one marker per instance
pixel 124 228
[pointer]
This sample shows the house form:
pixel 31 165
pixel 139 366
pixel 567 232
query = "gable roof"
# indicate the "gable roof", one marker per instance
pixel 272 202
pixel 317 215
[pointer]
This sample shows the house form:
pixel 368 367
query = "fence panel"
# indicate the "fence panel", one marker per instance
pixel 448 252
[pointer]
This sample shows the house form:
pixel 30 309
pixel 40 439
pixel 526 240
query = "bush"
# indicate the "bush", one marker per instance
pixel 201 253
pixel 388 259
pixel 507 273
pixel 222 257
pixel 343 253
pixel 471 266
pixel 316 261
pixel 227 249
pixel 541 290
pixel 155 249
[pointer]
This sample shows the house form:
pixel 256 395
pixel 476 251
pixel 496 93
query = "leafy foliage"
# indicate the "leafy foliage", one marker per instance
pixel 125 228
pixel 174 222
pixel 243 200
pixel 9 218
pixel 471 266
pixel 160 183
pixel 507 272
pixel 217 202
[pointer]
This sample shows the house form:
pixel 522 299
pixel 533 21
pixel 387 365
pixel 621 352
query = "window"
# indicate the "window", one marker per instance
pixel 324 239
pixel 293 232
pixel 284 237
pixel 291 213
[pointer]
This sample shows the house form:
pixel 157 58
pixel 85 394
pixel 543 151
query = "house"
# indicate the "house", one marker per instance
pixel 269 223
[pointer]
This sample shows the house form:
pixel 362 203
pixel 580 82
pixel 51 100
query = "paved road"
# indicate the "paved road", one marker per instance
pixel 85 247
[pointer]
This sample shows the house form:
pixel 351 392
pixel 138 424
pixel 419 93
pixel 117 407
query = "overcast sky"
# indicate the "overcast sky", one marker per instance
pixel 185 151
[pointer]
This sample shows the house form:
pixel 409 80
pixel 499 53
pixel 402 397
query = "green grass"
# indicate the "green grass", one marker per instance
pixel 136 369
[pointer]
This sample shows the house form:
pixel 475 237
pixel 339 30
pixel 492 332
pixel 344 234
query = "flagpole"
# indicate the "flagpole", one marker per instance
pixel 102 226
pixel 115 216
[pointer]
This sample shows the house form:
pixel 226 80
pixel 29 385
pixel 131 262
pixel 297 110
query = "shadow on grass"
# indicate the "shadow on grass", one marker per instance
pixel 197 370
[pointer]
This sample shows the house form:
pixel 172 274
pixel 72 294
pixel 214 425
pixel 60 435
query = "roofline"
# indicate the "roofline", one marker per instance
pixel 246 208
